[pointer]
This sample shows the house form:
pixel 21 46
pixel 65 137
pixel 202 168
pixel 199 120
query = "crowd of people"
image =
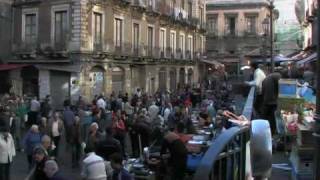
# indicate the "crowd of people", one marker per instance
pixel 103 133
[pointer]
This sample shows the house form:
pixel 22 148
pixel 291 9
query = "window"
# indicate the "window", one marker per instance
pixel 230 26
pixel 151 3
pixel 182 4
pixel 30 34
pixel 136 29
pixel 182 44
pixel 172 5
pixel 97 30
pixel 162 41
pixel 251 24
pixel 189 10
pixel 212 25
pixel 190 46
pixel 150 40
pixel 173 42
pixel 201 44
pixel 201 15
pixel 118 33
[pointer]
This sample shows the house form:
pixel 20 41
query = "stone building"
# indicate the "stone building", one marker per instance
pixel 68 48
pixel 235 33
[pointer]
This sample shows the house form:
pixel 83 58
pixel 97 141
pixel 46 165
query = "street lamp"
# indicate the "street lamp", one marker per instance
pixel 265 26
pixel 271 8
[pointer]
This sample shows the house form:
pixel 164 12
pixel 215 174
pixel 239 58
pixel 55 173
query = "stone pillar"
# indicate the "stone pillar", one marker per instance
pixel 79 26
pixel 75 86
pixel 127 80
pixel 108 79
pixel 168 78
pixel 44 83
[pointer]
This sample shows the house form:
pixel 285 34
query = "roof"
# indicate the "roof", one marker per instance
pixel 236 2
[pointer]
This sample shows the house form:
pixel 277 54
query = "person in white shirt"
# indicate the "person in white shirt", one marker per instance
pixel 167 112
pixel 7 151
pixel 93 166
pixel 34 110
pixel 101 103
pixel 153 111
pixel 258 78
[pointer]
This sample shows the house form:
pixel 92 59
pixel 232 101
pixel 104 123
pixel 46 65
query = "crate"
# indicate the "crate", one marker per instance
pixel 301 164
pixel 300 176
pixel 304 136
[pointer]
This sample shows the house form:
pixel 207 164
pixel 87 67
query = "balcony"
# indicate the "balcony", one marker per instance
pixel 139 5
pixel 26 2
pixel 123 3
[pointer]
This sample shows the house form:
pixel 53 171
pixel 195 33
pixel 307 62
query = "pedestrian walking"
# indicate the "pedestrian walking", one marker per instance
pixel 30 141
pixel 76 142
pixel 68 118
pixel 56 129
pixel 7 151
pixel 119 172
pixel 34 111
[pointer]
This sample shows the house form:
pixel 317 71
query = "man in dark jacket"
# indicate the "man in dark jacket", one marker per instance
pixel 178 155
pixel 270 92
pixel 108 145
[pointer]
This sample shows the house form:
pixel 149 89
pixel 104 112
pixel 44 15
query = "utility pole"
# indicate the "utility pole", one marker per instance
pixel 316 134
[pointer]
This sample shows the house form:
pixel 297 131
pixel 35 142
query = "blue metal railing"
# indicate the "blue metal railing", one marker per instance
pixel 226 157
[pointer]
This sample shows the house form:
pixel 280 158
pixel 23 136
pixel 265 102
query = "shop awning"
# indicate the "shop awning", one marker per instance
pixel 67 68
pixel 308 59
pixel 6 67
pixel 212 62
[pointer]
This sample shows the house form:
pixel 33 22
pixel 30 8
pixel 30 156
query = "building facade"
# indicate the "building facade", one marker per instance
pixel 70 48
pixel 235 33
pixel 288 31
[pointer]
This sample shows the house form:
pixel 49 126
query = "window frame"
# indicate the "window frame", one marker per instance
pixel 174 48
pixel 54 9
pixel 163 46
pixel 251 30
pixel 153 38
pixel 25 12
pixel 121 19
pixel 98 10
pixel 136 40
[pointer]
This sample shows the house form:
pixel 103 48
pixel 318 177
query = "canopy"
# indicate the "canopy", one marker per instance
pixel 212 62
pixel 308 59
pixel 5 67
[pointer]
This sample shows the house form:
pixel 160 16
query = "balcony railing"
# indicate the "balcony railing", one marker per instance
pixel 226 157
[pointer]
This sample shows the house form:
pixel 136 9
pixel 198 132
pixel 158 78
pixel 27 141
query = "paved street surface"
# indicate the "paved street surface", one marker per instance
pixel 20 166
pixel 279 174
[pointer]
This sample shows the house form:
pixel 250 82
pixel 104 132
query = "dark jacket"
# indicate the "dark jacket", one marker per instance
pixel 58 176
pixel 108 146
pixel 270 89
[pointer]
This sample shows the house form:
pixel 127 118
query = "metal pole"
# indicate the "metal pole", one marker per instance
pixel 271 35
pixel 316 134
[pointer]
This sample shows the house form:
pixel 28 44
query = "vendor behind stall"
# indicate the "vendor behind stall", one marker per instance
pixel 178 155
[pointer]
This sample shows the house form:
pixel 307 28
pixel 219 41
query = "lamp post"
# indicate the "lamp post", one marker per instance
pixel 316 134
pixel 265 25
pixel 271 8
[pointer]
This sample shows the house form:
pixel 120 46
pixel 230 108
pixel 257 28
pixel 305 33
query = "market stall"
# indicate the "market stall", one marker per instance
pixel 296 107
